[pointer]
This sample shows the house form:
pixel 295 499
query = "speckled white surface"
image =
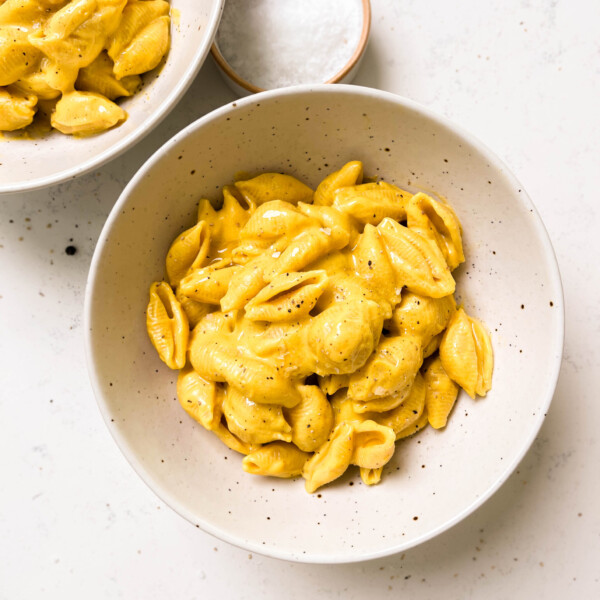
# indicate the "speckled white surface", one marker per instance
pixel 75 520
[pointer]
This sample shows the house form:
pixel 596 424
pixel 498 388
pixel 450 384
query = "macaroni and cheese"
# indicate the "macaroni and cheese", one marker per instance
pixel 72 59
pixel 312 330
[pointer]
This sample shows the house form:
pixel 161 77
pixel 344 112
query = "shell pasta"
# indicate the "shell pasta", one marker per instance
pixel 313 330
pixel 70 59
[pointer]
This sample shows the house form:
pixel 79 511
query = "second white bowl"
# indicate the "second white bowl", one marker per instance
pixel 29 164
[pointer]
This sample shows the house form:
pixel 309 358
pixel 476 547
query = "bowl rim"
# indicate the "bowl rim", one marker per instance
pixel 163 109
pixel 352 61
pixel 556 350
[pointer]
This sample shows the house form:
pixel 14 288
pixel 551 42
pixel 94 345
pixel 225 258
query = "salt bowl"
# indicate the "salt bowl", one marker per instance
pixel 271 44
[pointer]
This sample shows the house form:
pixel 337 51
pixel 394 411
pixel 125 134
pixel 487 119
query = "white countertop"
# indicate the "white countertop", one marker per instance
pixel 77 522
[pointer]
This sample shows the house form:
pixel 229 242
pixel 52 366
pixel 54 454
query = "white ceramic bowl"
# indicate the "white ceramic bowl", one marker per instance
pixel 54 158
pixel 510 280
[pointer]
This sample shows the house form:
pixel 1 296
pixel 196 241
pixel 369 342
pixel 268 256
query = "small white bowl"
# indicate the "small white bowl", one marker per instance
pixel 242 87
pixel 510 280
pixel 29 164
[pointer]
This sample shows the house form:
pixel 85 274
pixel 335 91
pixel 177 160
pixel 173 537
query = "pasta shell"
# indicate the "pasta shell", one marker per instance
pixel 55 76
pixel 409 412
pixel 335 223
pixel 440 395
pixel 99 77
pixel 194 311
pixel 293 355
pixel 419 264
pixel 208 284
pixel 247 282
pixel 254 423
pixel 466 354
pixel 226 223
pixel 485 358
pixel 207 212
pixel 331 460
pixel 268 340
pixel 304 249
pixel 344 287
pixel 421 316
pixel 374 445
pixel 69 18
pixel 371 476
pixel 233 442
pixel 350 174
pixel 343 337
pixel 233 195
pixel 311 419
pixel 372 265
pixel 231 218
pixel 86 113
pixel 213 322
pixel 17 55
pixel 76 34
pixel 188 252
pixel 167 325
pixel 276 460
pixel 437 222
pixel 418 425
pixel 146 50
pixel 289 296
pixel 136 17
pixel 274 219
pixel 35 84
pixel 372 202
pixel 274 186
pixel 201 399
pixel 390 371
pixel 215 357
pixel 16 111
pixel 458 352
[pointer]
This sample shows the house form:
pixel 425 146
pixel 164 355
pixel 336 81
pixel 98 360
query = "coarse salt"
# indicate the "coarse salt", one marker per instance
pixel 275 43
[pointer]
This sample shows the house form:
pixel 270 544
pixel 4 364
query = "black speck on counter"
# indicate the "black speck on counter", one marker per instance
pixel 70 250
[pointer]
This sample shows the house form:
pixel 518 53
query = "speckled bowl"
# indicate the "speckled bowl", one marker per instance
pixel 27 164
pixel 510 280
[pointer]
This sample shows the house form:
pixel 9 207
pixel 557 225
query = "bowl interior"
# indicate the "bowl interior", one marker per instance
pixel 510 281
pixel 54 157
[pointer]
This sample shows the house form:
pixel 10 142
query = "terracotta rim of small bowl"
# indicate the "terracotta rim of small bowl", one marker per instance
pixel 358 52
